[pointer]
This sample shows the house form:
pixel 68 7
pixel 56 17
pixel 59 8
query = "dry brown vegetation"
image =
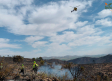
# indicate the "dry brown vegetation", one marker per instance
pixel 86 72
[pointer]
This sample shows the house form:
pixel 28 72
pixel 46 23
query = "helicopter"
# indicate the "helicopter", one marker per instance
pixel 75 8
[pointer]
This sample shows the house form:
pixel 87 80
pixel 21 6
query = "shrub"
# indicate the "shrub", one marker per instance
pixel 33 59
pixel 40 58
pixel 65 76
pixel 98 78
pixel 18 59
pixel 68 66
pixel 6 71
pixel 82 79
pixel 92 77
pixel 37 58
pixel 106 78
pixel 42 62
pixel 75 71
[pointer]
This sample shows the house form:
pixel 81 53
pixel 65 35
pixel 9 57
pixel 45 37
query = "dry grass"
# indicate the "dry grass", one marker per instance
pixel 88 74
pixel 7 70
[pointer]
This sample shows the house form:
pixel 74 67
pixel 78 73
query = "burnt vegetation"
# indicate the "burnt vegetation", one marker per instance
pixel 79 72
pixel 18 59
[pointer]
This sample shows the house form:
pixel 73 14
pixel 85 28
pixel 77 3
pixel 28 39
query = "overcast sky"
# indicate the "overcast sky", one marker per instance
pixel 34 28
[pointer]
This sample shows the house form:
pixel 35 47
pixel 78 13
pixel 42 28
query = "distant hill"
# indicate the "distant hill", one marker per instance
pixel 70 57
pixel 57 61
pixel 80 60
pixel 89 60
pixel 30 61
pixel 67 57
pixel 95 56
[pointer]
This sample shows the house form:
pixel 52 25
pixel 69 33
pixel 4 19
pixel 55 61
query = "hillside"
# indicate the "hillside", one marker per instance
pixel 89 60
pixel 29 61
pixel 91 70
pixel 81 60
pixel 57 61
pixel 67 57
pixel 70 57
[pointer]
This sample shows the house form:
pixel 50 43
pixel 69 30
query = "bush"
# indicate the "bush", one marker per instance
pixel 42 62
pixel 106 78
pixel 92 77
pixel 82 68
pixel 6 71
pixel 33 59
pixel 98 78
pixel 40 58
pixel 75 71
pixel 82 79
pixel 37 58
pixel 18 59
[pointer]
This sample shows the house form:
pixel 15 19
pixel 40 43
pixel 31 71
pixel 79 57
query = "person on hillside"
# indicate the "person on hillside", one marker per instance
pixel 22 69
pixel 1 66
pixel 35 67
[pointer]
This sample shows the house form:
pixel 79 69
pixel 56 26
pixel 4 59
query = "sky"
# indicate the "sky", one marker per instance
pixel 38 28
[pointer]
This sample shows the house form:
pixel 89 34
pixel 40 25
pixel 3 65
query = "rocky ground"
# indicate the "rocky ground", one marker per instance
pixel 91 69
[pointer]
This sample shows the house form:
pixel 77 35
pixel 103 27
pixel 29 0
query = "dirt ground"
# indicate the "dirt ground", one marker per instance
pixel 90 69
